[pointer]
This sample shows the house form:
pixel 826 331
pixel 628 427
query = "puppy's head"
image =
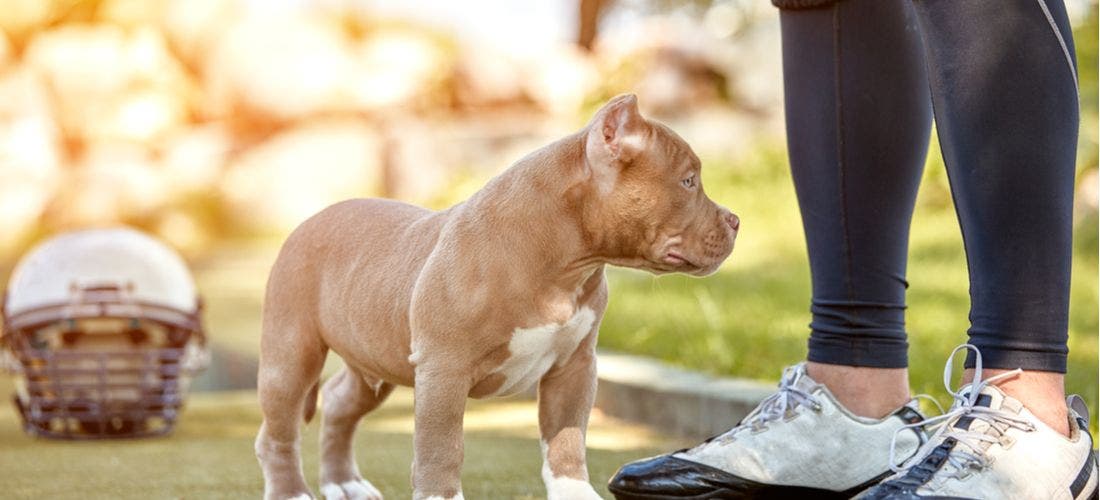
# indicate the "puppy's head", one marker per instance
pixel 648 209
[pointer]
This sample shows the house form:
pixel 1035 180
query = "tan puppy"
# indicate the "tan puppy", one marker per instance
pixel 486 298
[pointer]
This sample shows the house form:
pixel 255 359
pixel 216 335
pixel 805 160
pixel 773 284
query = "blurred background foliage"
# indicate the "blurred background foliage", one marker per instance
pixel 220 125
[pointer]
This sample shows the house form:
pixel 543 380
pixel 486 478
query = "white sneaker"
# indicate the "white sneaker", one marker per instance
pixel 989 446
pixel 798 442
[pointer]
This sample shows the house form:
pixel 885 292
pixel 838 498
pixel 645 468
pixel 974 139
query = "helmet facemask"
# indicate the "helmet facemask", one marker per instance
pixel 103 364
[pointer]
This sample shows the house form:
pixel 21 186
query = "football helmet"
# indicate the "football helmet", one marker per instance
pixel 103 329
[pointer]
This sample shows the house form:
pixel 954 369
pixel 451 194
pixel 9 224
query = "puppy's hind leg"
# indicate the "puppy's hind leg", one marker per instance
pixel 290 364
pixel 345 398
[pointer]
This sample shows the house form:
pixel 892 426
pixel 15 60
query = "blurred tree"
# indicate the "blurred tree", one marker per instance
pixel 588 21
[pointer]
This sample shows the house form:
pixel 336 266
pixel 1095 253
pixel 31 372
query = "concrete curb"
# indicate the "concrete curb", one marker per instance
pixel 673 400
pixel 229 370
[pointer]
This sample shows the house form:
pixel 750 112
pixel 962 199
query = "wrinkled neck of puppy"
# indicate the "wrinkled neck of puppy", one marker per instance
pixel 548 191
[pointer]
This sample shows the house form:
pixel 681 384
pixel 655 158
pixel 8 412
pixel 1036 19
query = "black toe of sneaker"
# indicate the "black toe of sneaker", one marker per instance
pixel 668 477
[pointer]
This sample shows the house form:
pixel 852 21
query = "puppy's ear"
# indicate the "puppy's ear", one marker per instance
pixel 618 130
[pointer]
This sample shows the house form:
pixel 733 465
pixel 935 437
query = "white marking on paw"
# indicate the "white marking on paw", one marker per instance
pixel 351 490
pixel 532 351
pixel 437 497
pixel 303 496
pixel 332 491
pixel 361 490
pixel 564 488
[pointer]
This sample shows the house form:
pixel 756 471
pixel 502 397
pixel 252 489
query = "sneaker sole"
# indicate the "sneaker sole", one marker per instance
pixel 772 492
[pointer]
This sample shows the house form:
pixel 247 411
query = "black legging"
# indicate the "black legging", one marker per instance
pixel 857 75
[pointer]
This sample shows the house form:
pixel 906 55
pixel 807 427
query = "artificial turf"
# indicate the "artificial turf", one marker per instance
pixel 209 456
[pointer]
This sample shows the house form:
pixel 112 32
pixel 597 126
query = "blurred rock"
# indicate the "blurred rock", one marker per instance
pixel 111 84
pixel 441 161
pixel 142 116
pixel 561 80
pixel 156 112
pixel 278 67
pixel 131 13
pixel 487 143
pixel 418 160
pixel 278 184
pixel 718 132
pixel 754 64
pixel 30 155
pixel 679 65
pixel 486 78
pixel 182 231
pixel 21 17
pixel 193 26
pixel 397 67
pixel 677 81
pixel 6 55
pixel 113 183
pixel 196 157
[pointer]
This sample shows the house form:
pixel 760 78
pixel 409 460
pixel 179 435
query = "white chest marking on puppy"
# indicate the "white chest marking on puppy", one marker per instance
pixel 456 497
pixel 564 488
pixel 534 350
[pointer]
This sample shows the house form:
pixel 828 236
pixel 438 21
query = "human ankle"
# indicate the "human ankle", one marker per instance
pixel 864 391
pixel 1042 393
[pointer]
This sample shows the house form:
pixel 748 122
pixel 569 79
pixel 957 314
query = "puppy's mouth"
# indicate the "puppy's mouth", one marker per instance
pixel 677 260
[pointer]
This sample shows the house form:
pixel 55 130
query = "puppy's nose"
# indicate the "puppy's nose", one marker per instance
pixel 733 221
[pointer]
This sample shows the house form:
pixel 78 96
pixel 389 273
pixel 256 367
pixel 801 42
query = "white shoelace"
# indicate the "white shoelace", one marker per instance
pixel 971 453
pixel 782 403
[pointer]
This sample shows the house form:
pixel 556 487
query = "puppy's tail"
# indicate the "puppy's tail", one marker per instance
pixel 311 402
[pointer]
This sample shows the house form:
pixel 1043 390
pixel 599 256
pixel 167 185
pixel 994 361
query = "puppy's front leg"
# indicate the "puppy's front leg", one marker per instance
pixel 440 402
pixel 566 394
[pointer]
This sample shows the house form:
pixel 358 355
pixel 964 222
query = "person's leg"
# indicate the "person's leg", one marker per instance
pixel 1005 96
pixel 1003 85
pixel 858 116
pixel 858 119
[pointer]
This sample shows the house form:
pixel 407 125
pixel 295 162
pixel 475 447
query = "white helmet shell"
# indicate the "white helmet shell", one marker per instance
pixel 149 270
pixel 104 327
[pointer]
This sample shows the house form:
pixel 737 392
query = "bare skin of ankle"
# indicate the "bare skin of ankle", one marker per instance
pixel 1043 393
pixel 867 392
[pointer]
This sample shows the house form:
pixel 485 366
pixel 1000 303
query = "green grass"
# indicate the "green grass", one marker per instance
pixel 750 319
pixel 210 454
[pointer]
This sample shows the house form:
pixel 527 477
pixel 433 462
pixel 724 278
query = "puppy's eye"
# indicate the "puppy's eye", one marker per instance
pixel 688 182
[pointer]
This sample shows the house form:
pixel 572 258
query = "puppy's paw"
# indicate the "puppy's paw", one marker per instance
pixel 359 489
pixel 276 495
pixel 456 497
pixel 563 488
